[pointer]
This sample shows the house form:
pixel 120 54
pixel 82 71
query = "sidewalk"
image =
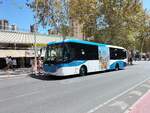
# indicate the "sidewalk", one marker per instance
pixel 15 73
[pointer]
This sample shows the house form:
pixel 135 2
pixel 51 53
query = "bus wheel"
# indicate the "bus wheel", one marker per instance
pixel 117 67
pixel 83 71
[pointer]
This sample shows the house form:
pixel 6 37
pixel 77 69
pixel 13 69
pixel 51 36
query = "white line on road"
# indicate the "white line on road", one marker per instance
pixel 137 93
pixel 108 101
pixel 146 85
pixel 123 105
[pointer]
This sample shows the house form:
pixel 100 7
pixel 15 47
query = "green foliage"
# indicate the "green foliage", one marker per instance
pixel 85 12
pixel 118 22
pixel 53 13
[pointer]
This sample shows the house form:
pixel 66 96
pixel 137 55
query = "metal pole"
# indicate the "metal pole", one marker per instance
pixel 35 48
pixel 35 55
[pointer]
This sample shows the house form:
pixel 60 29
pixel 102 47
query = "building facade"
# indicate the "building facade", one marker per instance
pixel 20 46
pixel 76 29
pixel 4 25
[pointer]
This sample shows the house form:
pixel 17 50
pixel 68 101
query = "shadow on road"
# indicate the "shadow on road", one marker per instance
pixel 51 77
pixel 54 78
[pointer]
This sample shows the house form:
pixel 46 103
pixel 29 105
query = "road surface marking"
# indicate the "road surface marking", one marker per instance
pixel 120 104
pixel 127 111
pixel 137 93
pixel 130 96
pixel 108 101
pixel 146 85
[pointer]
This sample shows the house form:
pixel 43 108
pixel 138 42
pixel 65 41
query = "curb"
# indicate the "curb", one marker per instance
pixel 11 76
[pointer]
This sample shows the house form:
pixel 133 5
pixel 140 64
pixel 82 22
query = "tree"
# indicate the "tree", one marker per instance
pixel 53 13
pixel 118 22
pixel 85 12
pixel 117 16
pixel 144 32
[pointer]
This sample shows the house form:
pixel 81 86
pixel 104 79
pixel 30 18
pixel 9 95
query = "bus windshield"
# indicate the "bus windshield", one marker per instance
pixel 57 53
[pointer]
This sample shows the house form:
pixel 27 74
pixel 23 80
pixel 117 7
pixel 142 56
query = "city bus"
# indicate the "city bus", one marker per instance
pixel 72 56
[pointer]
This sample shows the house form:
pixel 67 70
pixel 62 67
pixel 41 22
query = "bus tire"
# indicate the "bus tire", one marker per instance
pixel 83 71
pixel 117 67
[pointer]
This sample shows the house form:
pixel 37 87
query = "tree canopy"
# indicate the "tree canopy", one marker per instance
pixel 119 22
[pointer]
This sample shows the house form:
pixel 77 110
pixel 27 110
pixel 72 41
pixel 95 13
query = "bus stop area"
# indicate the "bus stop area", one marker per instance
pixel 20 46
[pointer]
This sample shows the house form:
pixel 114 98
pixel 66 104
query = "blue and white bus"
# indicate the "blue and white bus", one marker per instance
pixel 73 56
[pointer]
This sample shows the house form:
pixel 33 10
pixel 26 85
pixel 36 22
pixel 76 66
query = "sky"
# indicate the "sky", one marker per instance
pixel 146 4
pixel 16 12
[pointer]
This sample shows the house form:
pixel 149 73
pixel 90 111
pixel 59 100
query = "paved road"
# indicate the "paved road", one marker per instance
pixel 89 94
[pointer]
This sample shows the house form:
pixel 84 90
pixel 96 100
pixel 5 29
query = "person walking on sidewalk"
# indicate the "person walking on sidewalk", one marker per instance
pixel 11 63
pixel 14 63
pixel 148 56
pixel 130 58
pixel 34 66
pixel 7 63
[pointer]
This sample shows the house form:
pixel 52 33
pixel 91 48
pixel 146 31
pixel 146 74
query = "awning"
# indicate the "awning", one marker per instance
pixel 16 53
pixel 27 38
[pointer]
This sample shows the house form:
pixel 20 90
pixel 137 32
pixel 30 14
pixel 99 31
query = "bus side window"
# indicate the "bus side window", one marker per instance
pixel 66 53
pixel 117 53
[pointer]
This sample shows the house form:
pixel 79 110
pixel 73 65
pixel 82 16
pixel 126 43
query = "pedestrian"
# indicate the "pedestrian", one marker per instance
pixel 10 62
pixel 144 56
pixel 7 63
pixel 34 66
pixel 148 56
pixel 14 63
pixel 39 65
pixel 130 58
